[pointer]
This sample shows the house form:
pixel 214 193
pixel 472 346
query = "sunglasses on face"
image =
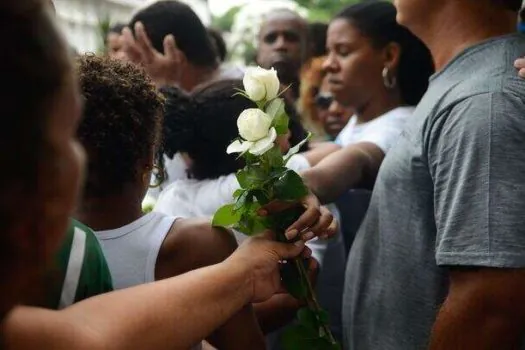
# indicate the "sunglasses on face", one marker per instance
pixel 323 101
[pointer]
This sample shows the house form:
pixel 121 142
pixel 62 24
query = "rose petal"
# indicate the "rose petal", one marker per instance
pixel 272 85
pixel 254 88
pixel 264 145
pixel 238 147
pixel 253 124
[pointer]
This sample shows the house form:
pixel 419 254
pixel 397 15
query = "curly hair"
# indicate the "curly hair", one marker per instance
pixel 122 122
pixel 177 108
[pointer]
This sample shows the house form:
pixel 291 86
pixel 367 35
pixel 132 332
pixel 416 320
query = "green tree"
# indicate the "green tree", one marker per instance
pixel 103 26
pixel 225 22
pixel 323 10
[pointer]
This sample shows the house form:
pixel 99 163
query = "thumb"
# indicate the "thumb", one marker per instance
pixel 289 250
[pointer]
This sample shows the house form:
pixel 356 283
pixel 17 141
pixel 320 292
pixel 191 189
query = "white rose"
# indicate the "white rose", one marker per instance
pixel 256 148
pixel 253 124
pixel 260 84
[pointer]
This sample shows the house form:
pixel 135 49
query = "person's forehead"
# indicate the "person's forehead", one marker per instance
pixel 283 24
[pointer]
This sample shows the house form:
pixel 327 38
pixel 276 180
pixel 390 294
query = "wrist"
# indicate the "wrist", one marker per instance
pixel 241 278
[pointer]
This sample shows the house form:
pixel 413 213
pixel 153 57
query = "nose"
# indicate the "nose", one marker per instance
pixel 335 109
pixel 280 44
pixel 330 64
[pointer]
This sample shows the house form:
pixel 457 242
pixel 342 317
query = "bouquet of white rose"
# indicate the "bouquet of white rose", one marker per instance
pixel 265 178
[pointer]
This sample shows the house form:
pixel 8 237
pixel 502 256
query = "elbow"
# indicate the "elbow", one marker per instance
pixel 316 181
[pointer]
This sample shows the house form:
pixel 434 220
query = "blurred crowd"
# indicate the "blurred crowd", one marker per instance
pixel 413 230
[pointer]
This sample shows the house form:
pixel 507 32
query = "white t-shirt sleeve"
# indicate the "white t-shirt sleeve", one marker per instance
pixel 298 163
pixel 385 134
pixel 345 135
pixel 383 131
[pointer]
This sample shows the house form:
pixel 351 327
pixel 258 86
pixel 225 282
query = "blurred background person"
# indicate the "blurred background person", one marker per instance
pixel 218 43
pixel 282 43
pixel 113 44
pixel 379 70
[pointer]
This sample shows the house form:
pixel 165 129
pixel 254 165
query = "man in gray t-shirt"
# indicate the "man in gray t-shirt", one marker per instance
pixel 439 260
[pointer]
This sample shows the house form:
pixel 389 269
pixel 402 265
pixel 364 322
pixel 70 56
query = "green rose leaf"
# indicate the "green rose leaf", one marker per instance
pixel 244 201
pixel 274 158
pixel 292 281
pixel 251 177
pixel 276 110
pixel 290 186
pixel 298 337
pixel 323 316
pixel 226 216
pixel 295 149
pixel 281 124
pixel 308 319
pixel 238 193
pixel 261 197
pixel 275 107
pixel 250 223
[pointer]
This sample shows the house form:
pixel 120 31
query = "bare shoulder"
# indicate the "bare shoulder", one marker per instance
pixel 191 244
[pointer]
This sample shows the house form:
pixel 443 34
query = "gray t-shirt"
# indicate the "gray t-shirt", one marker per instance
pixel 451 192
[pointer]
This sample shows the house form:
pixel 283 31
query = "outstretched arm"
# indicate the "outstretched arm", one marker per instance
pixel 192 244
pixel 174 313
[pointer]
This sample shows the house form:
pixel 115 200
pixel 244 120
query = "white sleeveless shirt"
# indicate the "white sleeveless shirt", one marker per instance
pixel 132 250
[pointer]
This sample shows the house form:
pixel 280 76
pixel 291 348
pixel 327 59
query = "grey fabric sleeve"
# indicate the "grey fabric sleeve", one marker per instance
pixel 476 157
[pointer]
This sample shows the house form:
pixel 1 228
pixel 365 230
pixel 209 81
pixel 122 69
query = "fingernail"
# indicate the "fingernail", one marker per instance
pixel 291 234
pixel 299 243
pixel 262 212
pixel 308 236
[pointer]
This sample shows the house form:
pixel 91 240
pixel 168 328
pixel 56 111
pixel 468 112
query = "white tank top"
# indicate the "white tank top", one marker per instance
pixel 131 251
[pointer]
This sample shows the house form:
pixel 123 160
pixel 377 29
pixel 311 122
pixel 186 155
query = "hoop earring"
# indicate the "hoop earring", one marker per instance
pixel 389 82
pixel 159 175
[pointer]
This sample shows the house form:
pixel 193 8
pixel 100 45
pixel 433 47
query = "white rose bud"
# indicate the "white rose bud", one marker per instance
pixel 260 84
pixel 253 124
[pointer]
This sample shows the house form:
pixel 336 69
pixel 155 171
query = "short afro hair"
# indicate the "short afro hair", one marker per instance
pixel 123 116
pixel 173 17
